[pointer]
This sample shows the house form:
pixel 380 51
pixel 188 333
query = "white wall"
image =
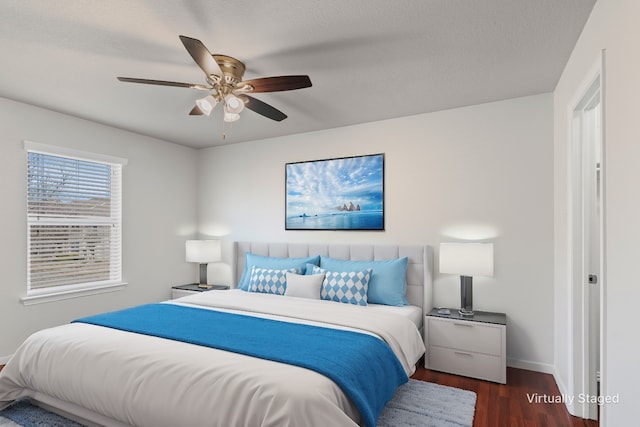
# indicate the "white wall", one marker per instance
pixel 159 200
pixel 480 172
pixel 613 25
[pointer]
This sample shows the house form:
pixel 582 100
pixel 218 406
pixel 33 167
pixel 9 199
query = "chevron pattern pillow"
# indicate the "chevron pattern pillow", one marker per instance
pixel 346 286
pixel 269 281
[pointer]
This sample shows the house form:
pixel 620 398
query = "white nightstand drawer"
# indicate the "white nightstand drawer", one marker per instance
pixel 466 336
pixel 467 364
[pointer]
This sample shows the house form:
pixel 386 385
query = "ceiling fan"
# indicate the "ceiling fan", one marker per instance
pixel 226 87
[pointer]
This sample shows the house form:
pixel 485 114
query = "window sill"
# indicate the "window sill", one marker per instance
pixel 74 293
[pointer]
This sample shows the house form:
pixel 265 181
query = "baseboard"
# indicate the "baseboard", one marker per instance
pixel 562 387
pixel 564 391
pixel 545 368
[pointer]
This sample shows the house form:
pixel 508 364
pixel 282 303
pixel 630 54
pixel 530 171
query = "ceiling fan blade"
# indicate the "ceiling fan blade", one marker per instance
pixel 196 111
pixel 264 109
pixel 276 84
pixel 201 55
pixel 161 83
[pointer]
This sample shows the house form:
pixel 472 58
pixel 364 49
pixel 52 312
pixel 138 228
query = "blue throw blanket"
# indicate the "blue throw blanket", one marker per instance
pixel 363 366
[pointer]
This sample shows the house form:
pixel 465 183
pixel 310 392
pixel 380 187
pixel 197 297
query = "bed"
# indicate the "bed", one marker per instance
pixel 105 374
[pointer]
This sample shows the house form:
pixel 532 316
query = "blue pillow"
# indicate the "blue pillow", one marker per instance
pixel 310 269
pixel 388 284
pixel 349 287
pixel 273 264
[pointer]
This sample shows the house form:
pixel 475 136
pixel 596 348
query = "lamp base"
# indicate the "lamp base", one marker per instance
pixel 203 276
pixel 466 296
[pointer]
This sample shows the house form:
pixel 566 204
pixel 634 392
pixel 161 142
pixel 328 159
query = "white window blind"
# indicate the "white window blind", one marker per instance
pixel 74 220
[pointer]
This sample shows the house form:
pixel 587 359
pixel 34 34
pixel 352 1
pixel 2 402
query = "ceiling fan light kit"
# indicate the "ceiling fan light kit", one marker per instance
pixel 225 85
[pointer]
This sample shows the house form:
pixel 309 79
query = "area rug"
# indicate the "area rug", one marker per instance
pixel 424 404
pixel 415 404
pixel 23 413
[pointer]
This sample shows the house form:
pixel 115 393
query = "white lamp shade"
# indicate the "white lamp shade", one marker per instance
pixel 466 259
pixel 233 104
pixel 231 117
pixel 203 251
pixel 206 104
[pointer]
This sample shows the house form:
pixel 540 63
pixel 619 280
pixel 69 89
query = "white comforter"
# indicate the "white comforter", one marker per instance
pixel 119 378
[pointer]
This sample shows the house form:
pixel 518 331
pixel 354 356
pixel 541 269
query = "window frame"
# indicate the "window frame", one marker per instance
pixel 65 291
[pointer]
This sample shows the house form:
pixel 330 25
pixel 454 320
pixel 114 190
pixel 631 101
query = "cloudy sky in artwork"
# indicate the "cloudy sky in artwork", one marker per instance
pixel 325 186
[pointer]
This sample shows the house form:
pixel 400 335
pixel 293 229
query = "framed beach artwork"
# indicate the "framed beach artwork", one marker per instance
pixel 335 194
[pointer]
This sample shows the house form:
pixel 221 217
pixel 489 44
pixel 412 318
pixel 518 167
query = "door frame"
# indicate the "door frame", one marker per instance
pixel 582 376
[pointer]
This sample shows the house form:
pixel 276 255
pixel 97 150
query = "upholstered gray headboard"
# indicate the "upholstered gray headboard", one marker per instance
pixel 419 267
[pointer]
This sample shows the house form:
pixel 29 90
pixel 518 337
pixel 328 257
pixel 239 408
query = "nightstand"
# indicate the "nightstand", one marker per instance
pixel 193 288
pixel 471 346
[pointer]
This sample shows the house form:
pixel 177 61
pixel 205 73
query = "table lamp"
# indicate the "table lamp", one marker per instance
pixel 467 260
pixel 203 252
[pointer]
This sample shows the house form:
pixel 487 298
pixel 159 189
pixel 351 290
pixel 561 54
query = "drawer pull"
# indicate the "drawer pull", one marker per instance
pixel 459 353
pixel 466 325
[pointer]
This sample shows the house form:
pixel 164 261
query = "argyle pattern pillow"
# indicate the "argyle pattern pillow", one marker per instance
pixel 346 286
pixel 269 281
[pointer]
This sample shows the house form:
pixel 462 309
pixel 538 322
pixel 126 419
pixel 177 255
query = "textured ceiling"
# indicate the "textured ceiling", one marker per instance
pixel 368 59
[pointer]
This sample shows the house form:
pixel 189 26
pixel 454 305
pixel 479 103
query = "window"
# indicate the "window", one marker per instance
pixel 74 220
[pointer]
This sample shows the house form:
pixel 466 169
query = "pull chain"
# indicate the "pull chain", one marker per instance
pixel 224 133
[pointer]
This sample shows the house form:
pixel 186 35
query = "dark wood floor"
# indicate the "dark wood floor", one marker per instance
pixel 508 405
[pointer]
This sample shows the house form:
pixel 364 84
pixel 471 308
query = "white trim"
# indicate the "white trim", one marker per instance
pixel 72 293
pixel 529 365
pixel 562 387
pixel 602 376
pixel 37 147
pixel 578 375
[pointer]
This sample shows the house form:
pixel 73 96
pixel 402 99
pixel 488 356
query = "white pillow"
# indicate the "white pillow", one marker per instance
pixel 299 285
